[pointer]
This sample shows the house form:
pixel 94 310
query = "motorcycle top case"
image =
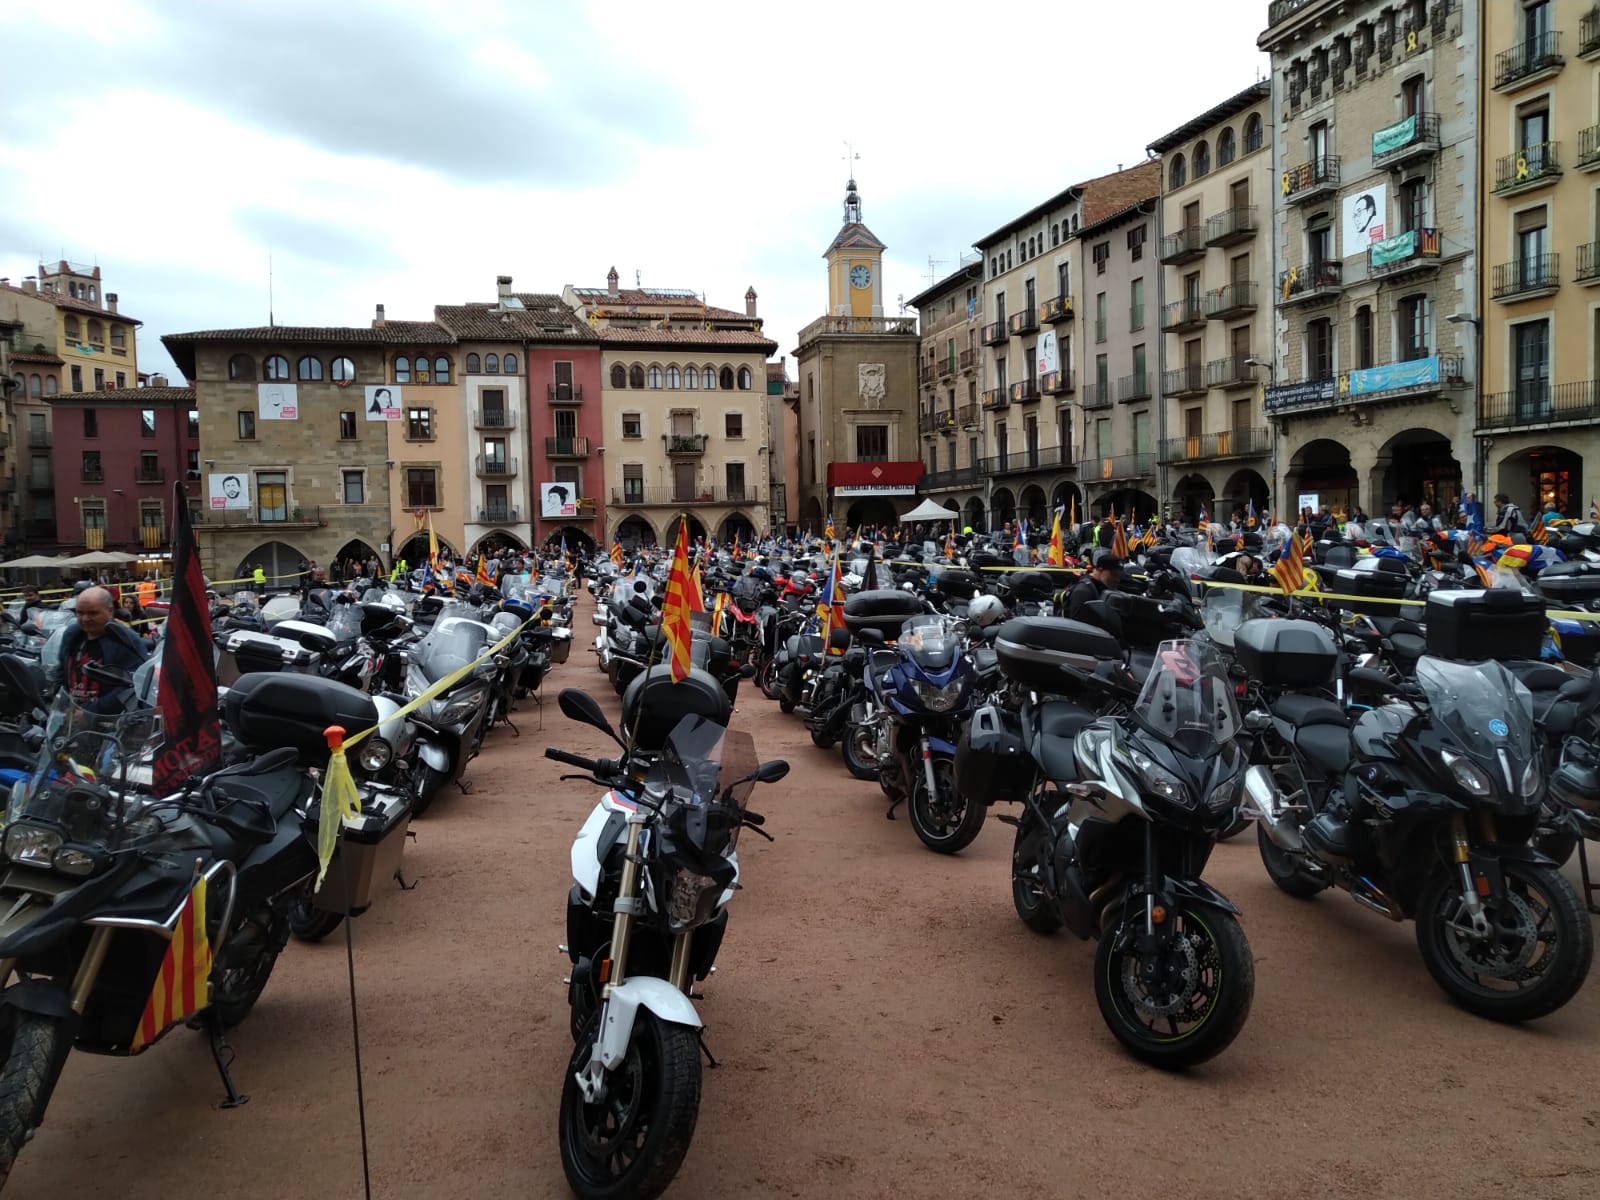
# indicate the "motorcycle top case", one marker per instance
pixel 885 610
pixel 992 763
pixel 1570 583
pixel 1498 623
pixel 268 710
pixel 1385 579
pixel 957 583
pixel 1032 648
pixel 309 634
pixel 244 651
pixel 653 704
pixel 1283 653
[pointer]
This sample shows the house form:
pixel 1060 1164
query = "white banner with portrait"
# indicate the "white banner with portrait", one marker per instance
pixel 558 500
pixel 1365 215
pixel 1049 353
pixel 229 490
pixel 277 402
pixel 383 403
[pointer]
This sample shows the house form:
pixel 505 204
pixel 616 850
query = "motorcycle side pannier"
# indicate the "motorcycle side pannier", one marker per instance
pixel 991 763
pixel 1032 648
pixel 1570 583
pixel 885 610
pixel 369 853
pixel 1497 623
pixel 268 710
pixel 1284 653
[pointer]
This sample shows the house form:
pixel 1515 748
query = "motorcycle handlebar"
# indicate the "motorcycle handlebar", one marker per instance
pixel 592 765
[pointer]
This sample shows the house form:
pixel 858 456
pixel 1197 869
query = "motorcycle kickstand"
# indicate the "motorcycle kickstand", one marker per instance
pixel 894 804
pixel 219 1044
pixel 706 1050
pixel 466 788
pixel 399 877
pixel 515 732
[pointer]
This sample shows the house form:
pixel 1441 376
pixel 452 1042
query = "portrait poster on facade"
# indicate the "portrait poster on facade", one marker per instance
pixel 1049 353
pixel 1364 217
pixel 558 500
pixel 277 402
pixel 383 403
pixel 229 490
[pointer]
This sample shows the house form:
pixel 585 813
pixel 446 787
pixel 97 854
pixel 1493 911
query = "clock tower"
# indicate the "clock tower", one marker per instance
pixel 855 265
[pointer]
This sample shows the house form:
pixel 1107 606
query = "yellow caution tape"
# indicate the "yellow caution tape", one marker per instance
pixel 1343 597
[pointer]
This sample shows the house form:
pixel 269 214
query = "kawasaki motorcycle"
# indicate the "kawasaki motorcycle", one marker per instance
pixel 654 867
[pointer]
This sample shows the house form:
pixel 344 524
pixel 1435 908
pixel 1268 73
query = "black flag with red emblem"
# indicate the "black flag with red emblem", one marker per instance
pixel 187 691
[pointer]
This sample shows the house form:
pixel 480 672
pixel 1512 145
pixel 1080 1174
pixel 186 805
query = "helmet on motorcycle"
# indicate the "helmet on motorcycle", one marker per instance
pixel 985 610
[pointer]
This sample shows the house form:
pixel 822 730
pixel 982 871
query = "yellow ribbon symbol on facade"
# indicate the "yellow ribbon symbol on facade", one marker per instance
pixel 1411 42
pixel 1290 278
pixel 1522 166
pixel 1344 384
pixel 1286 183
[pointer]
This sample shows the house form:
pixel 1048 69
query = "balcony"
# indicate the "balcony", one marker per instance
pixel 968 359
pixel 501 515
pixel 92 475
pixel 994 333
pixel 857 327
pixel 152 537
pixel 494 418
pixel 1056 383
pixel 1184 381
pixel 1541 405
pixel 1589 148
pixel 1589 264
pixel 566 447
pixel 563 393
pixel 1529 168
pixel 1230 443
pixel 296 517
pixel 1405 142
pixel 1036 458
pixel 1414 250
pixel 684 443
pixel 1025 391
pixel 968 416
pixel 1232 226
pixel 1135 317
pixel 39 529
pixel 925 374
pixel 41 483
pixel 38 439
pixel 1057 309
pixel 1231 300
pixel 1133 387
pixel 1096 395
pixel 1230 372
pixel 1528 62
pixel 942 421
pixel 1311 180
pixel 995 399
pixel 1589 34
pixel 1526 278
pixel 1408 379
pixel 947 367
pixel 496 468
pixel 1117 466
pixel 148 474
pixel 640 497
pixel 1023 322
pixel 1181 315
pixel 1184 246
pixel 94 537
pixel 1319 282
pixel 956 477
pixel 1099 329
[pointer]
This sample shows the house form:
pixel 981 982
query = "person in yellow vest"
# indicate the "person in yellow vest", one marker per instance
pixel 259 577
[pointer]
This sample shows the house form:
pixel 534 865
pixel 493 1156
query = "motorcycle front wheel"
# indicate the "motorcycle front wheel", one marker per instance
pixel 308 922
pixel 947 822
pixel 633 1140
pixel 31 1041
pixel 1189 1004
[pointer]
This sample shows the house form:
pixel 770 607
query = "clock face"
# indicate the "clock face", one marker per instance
pixel 860 277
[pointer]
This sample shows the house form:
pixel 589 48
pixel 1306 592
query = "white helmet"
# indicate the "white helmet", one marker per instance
pixel 985 610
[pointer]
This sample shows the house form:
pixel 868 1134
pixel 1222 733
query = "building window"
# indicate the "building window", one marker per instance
pixel 691 376
pixel 674 377
pixel 35 387
pixel 419 369
pixel 419 424
pixel 656 377
pixel 50 385
pixel 402 369
pixel 194 465
pixel 1055 235
pixel 247 426
pixel 1136 305
pixel 1364 358
pixel 309 369
pixel 632 483
pixel 1319 244
pixel 194 422
pixel 347 427
pixel 1414 318
pixel 508 366
pixel 1531 361
pixel 1533 242
pixel 147 422
pixel 99 379
pixel 94 517
pixel 725 379
pixel 1319 151
pixel 872 443
pixel 733 425
pixel 342 370
pixel 1227 148
pixel 1413 205
pixel 708 379
pixel 636 376
pixel 150 519
pixel 811 456
pixel 355 486
pixel 422 487
pixel 77 378
pixel 275 369
pixel 149 467
pixel 734 473
pixel 91 467
pixel 1102 252
pixel 70 327
pixel 497 501
pixel 1177 173
pixel 1413 96
pixel 272 496
pixel 744 379
pixel 97 333
pixel 491 364
pixel 619 375
pixel 632 426
pixel 1319 349
pixel 1202 159
pixel 91 423
pixel 474 365
pixel 122 379
pixel 1136 240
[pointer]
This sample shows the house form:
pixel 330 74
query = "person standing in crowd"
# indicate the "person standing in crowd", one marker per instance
pixel 1508 517
pixel 98 640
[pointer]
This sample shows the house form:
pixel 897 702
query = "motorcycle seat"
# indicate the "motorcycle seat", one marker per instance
pixel 1408 646
pixel 1327 746
pixel 280 791
pixel 1301 711
pixel 1058 725
pixel 1389 626
pixel 1541 676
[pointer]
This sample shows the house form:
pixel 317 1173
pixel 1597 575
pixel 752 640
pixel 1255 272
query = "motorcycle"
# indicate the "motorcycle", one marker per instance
pixel 449 727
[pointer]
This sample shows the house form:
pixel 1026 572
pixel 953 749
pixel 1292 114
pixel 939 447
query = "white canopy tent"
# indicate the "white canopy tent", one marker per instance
pixel 928 510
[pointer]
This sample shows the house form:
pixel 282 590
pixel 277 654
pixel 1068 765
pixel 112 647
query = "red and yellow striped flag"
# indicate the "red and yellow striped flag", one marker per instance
pixel 183 985
pixel 1290 570
pixel 675 610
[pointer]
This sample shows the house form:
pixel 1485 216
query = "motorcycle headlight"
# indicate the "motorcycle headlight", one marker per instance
pixel 375 754
pixel 690 896
pixel 1467 775
pixel 1532 778
pixel 1156 779
pixel 32 845
pixel 71 861
pixel 938 699
pixel 453 710
pixel 1224 795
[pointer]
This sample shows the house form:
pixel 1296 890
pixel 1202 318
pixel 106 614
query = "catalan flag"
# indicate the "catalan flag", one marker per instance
pixel 1058 555
pixel 616 552
pixel 1119 541
pixel 183 985
pixel 1290 570
pixel 950 542
pixel 1539 533
pixel 677 606
pixel 482 575
pixel 829 533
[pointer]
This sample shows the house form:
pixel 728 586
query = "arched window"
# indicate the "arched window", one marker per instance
pixel 441 369
pixel 69 326
pixel 508 364
pixel 1074 222
pixel 1202 159
pixel 342 370
pixel 402 369
pixel 21 381
pixel 744 379
pixel 35 386
pixel 725 379
pixel 491 364
pixel 308 368
pixel 420 370
pixel 708 379
pixel 619 375
pixel 1055 235
pixel 241 366
pixel 656 378
pixel 691 376
pixel 674 380
pixel 97 333
pixel 275 369
pixel 49 385
pixel 1252 132
pixel 1177 173
pixel 636 376
pixel 474 364
pixel 1227 148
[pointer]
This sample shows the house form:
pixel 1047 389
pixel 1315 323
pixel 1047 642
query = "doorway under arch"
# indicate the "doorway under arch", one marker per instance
pixel 1543 475
pixel 811 516
pixel 1320 473
pixel 736 524
pixel 1031 505
pixel 697 529
pixel 357 550
pixel 1191 494
pixel 871 511
pixel 1417 466
pixel 1003 508
pixel 1066 499
pixel 414 550
pixel 974 515
pixel 279 560
pixel 1129 503
pixel 1245 488
pixel 577 538
pixel 634 532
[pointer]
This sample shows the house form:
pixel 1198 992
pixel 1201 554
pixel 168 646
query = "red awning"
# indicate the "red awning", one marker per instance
pixel 874 474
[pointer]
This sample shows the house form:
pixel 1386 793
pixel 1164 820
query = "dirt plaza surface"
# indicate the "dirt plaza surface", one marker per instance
pixel 886 1027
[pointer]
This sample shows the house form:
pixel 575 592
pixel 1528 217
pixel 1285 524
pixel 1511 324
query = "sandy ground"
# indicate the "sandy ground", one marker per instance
pixel 886 1026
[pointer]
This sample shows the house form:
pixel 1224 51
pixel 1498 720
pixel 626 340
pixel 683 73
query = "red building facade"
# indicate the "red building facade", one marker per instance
pixel 565 436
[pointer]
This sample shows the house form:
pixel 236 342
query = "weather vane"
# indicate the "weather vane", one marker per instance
pixel 851 158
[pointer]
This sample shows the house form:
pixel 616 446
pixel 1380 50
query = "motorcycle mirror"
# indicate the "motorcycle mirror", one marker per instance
pixel 748 671
pixel 578 705
pixel 771 771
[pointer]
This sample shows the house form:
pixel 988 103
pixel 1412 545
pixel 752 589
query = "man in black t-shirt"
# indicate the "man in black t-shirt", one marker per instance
pixel 99 640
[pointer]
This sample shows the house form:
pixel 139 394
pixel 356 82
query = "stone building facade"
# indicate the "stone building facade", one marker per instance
pixel 949 417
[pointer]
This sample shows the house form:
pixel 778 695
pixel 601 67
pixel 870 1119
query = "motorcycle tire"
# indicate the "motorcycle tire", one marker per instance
pixel 767 679
pixel 234 993
pixel 948 823
pixel 429 784
pixel 32 1048
pixel 785 705
pixel 821 740
pixel 1282 869
pixel 657 1087
pixel 1565 959
pixel 1223 956
pixel 861 751
pixel 309 923
pixel 1032 905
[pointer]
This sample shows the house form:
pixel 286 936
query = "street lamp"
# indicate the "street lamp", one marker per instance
pixel 1479 444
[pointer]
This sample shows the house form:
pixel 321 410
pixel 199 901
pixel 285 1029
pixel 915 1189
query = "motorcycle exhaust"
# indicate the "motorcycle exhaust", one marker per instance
pixel 1261 802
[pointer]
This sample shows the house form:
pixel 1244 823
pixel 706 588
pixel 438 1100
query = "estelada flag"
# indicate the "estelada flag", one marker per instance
pixel 186 691
pixel 676 608
pixel 1290 569
pixel 1058 555
pixel 183 985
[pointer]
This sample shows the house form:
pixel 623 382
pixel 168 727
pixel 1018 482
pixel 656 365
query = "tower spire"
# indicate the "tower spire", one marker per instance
pixel 852 198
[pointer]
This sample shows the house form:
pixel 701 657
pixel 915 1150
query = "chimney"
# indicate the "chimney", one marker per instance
pixel 378 320
pixel 503 282
pixel 158 380
pixel 111 303
pixel 750 302
pixel 611 283
pixel 31 286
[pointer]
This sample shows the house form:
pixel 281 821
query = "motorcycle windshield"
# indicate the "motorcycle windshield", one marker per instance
pixel 1485 707
pixel 708 764
pixel 929 643
pixel 451 645
pixel 1225 609
pixel 1188 699
pixel 1189 559
pixel 344 622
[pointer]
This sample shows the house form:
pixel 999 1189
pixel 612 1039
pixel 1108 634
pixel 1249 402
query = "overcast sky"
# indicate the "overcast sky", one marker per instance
pixel 408 153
